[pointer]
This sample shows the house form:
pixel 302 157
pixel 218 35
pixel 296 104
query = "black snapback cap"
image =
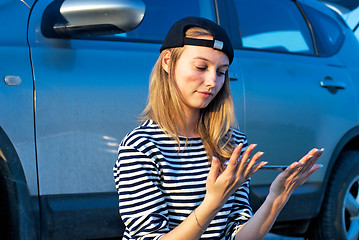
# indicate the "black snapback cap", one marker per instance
pixel 176 36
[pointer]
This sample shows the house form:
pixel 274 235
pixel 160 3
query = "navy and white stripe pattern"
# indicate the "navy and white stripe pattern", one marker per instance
pixel 159 186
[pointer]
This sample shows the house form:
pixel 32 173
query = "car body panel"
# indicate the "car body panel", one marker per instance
pixel 300 110
pixel 80 113
pixel 90 91
pixel 303 121
pixel 283 93
pixel 17 100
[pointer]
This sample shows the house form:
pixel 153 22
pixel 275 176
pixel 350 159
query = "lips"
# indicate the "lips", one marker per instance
pixel 205 93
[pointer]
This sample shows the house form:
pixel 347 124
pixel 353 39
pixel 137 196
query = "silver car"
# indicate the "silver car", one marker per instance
pixel 74 81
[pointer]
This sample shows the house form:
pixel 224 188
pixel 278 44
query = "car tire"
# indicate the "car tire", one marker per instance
pixel 7 230
pixel 339 216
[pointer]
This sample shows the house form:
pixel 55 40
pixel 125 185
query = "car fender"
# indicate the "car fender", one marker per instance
pixel 22 217
pixel 350 141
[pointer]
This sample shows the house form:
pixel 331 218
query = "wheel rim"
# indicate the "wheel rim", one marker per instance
pixel 351 210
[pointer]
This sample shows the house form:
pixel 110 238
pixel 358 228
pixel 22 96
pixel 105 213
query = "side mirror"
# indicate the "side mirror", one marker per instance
pixel 76 18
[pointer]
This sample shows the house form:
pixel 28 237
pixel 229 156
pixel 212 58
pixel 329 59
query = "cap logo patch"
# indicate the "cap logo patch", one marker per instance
pixel 218 44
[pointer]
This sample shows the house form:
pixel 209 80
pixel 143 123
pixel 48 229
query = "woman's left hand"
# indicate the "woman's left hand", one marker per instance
pixel 280 191
pixel 295 175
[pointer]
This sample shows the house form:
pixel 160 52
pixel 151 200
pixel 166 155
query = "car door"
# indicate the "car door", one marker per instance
pixel 294 99
pixel 90 92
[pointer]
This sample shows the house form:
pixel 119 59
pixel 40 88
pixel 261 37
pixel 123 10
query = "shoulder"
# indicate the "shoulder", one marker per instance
pixel 144 137
pixel 140 144
pixel 145 131
pixel 238 137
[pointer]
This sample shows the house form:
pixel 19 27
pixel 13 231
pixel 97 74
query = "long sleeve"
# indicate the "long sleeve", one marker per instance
pixel 141 204
pixel 241 211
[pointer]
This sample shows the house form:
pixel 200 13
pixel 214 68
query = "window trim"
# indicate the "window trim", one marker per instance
pixel 310 27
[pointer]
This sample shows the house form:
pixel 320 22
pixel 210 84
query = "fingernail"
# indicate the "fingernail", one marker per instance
pixel 254 145
pixel 294 164
pixel 321 165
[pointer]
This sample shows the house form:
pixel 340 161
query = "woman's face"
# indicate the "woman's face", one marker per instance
pixel 199 75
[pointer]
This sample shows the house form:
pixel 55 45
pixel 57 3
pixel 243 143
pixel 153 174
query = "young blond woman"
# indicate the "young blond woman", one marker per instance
pixel 184 172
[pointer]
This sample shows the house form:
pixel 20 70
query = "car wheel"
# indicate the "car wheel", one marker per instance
pixel 339 216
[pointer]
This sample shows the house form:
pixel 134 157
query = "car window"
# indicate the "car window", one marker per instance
pixel 328 34
pixel 276 26
pixel 161 14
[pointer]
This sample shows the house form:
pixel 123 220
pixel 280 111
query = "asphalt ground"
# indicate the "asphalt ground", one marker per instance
pixel 271 236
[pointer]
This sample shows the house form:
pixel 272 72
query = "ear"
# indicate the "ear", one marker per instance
pixel 166 61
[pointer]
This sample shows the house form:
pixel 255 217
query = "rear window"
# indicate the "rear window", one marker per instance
pixel 327 32
pixel 276 26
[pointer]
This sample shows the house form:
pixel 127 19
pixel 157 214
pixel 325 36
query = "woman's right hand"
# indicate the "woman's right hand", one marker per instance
pixel 220 186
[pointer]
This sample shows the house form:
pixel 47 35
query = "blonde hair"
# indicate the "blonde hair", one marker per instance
pixel 164 107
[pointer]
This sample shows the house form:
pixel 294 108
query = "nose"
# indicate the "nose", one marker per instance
pixel 211 79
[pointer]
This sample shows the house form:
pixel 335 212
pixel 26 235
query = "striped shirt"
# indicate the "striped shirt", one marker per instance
pixel 159 186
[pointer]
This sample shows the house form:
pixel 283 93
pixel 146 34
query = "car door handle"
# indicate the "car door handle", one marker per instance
pixel 329 82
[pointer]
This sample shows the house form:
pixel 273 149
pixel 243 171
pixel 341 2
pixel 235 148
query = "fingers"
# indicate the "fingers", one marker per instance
pixel 312 156
pixel 214 171
pixel 244 166
pixel 306 166
pixel 244 159
pixel 309 160
pixel 232 163
pixel 251 167
pixel 258 166
pixel 247 166
pixel 314 168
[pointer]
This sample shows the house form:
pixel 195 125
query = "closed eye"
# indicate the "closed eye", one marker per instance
pixel 221 73
pixel 201 68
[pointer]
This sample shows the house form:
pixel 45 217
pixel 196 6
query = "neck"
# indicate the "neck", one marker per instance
pixel 191 120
